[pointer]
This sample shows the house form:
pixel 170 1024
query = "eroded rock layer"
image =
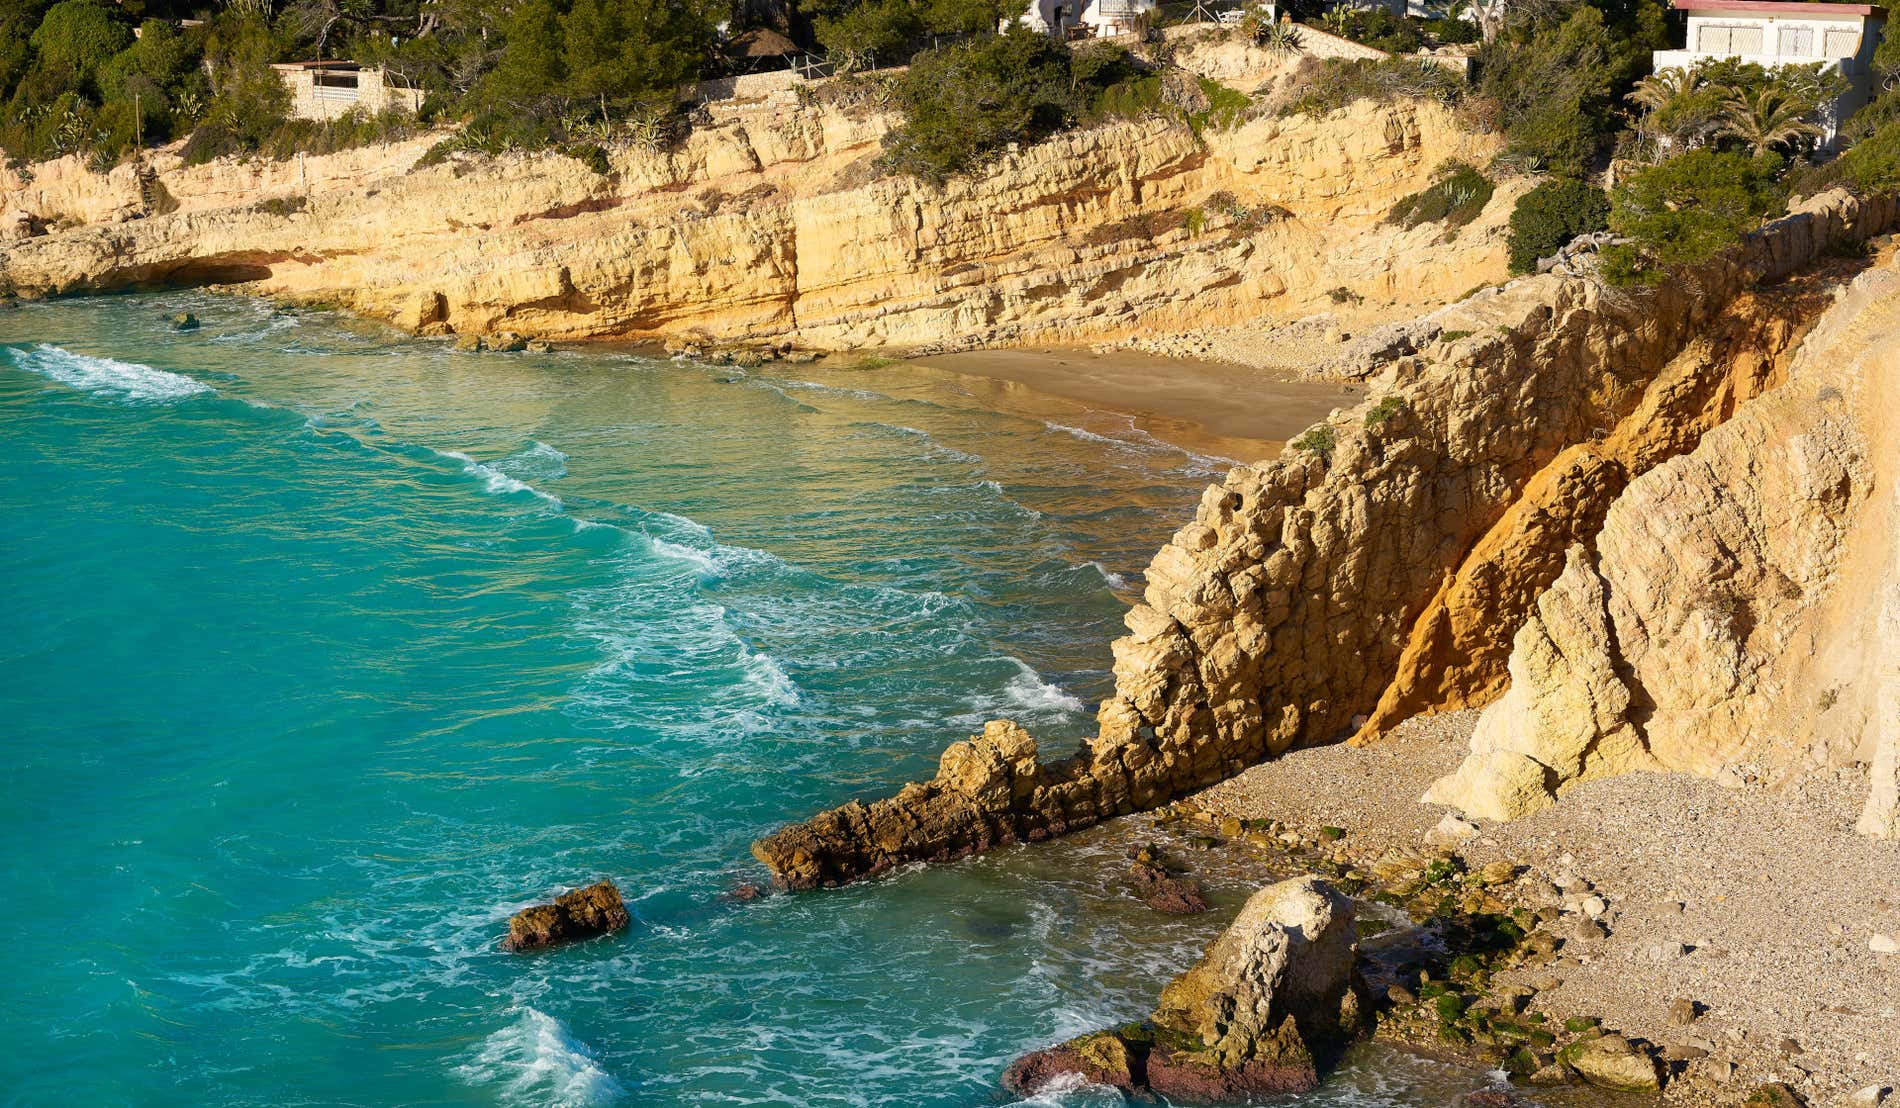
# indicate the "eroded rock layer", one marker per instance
pixel 1281 614
pixel 770 224
pixel 1736 613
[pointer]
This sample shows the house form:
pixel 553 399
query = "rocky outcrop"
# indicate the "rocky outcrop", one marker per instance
pixel 1736 613
pixel 1282 613
pixel 769 224
pixel 1455 658
pixel 1265 1010
pixel 579 914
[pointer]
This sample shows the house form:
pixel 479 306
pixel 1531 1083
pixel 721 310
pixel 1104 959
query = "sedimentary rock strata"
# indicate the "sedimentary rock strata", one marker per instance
pixel 770 224
pixel 1281 616
pixel 1264 1011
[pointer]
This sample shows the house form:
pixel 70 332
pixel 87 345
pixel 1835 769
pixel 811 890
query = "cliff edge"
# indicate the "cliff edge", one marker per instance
pixel 770 224
pixel 1312 590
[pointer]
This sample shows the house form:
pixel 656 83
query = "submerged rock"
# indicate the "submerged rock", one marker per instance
pixel 1164 891
pixel 580 914
pixel 1266 1009
pixel 184 321
pixel 1102 1058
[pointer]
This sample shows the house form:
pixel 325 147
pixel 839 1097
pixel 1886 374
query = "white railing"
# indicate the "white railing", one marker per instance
pixel 1686 59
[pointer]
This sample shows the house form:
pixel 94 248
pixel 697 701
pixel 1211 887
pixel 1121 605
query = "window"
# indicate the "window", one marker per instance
pixel 1720 39
pixel 1842 44
pixel 1796 42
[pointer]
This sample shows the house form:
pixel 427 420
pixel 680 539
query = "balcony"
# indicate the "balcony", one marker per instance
pixel 1685 59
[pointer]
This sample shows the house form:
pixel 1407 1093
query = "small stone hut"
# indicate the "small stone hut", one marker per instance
pixel 327 90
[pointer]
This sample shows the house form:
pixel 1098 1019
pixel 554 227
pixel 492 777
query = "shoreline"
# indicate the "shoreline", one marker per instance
pixel 1186 403
pixel 1723 942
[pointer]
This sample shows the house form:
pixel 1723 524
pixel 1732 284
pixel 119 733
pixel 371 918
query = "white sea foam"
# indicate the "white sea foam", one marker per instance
pixel 1110 577
pixel 1071 1090
pixel 536 1060
pixel 497 482
pixel 765 674
pixel 1028 692
pixel 1091 436
pixel 539 460
pixel 277 323
pixel 702 561
pixel 109 377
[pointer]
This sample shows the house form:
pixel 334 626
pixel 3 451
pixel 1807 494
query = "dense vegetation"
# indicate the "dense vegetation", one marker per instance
pixel 1699 156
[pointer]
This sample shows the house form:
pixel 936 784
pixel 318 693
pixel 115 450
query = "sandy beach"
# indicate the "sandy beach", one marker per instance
pixel 1190 403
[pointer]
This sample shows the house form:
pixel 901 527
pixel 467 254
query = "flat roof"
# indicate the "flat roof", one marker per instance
pixel 1774 7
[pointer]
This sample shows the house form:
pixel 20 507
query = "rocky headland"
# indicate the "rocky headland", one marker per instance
pixel 1362 577
pixel 1593 533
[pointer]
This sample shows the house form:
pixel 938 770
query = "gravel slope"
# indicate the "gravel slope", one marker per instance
pixel 1772 897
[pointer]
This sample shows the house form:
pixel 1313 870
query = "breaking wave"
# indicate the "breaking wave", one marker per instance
pixel 536 1060
pixel 108 377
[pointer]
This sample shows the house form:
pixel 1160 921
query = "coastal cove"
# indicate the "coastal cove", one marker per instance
pixel 331 648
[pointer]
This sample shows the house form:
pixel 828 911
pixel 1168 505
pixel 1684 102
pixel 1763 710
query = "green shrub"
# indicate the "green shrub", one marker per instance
pixel 860 32
pixel 1549 216
pixel 590 155
pixel 1385 409
pixel 1873 164
pixel 1557 86
pixel 1686 210
pixel 1225 106
pixel 966 103
pixel 80 37
pixel 1456 196
pixel 1377 28
pixel 1319 439
pixel 1323 85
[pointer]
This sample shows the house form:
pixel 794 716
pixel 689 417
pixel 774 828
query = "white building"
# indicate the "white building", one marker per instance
pixel 327 90
pixel 1842 36
pixel 1098 17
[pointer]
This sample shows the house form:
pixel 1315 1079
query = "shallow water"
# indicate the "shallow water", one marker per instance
pixel 326 650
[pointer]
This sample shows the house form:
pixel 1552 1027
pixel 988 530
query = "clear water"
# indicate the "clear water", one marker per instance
pixel 325 650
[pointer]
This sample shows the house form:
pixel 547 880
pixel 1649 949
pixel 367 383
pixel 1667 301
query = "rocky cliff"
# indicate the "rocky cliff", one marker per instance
pixel 770 225
pixel 1736 614
pixel 1372 561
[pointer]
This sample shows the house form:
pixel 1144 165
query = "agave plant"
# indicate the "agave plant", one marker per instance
pixel 1277 38
pixel 1766 118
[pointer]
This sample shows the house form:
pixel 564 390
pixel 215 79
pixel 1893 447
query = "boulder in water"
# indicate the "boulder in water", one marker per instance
pixel 1266 1009
pixel 1102 1058
pixel 184 321
pixel 580 914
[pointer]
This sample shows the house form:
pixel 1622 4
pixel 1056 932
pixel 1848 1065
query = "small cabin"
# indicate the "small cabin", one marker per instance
pixel 1080 19
pixel 327 90
pixel 1769 33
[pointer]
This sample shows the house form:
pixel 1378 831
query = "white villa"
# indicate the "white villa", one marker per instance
pixel 327 90
pixel 1081 18
pixel 1771 34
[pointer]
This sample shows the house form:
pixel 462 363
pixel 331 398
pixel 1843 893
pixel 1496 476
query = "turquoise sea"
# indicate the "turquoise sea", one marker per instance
pixel 325 649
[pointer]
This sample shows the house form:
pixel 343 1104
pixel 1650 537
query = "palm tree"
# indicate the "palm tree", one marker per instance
pixel 1658 90
pixel 1767 117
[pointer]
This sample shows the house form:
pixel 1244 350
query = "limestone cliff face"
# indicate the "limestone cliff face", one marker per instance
pixel 1286 611
pixel 1737 612
pixel 769 226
